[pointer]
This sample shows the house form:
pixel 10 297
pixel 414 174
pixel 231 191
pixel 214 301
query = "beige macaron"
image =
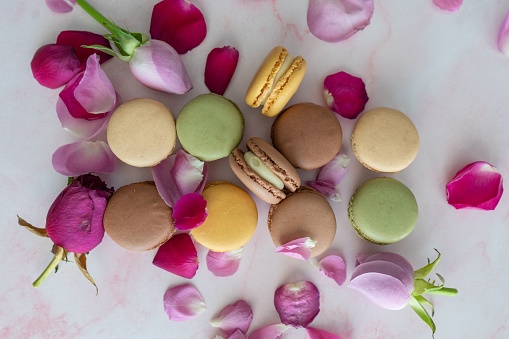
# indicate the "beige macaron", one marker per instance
pixel 385 140
pixel 142 132
pixel 276 81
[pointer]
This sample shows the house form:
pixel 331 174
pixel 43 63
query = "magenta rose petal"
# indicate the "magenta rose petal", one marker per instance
pixel 76 39
pixel 298 248
pixel 224 264
pixel 345 94
pixel 84 129
pixel 503 36
pixel 315 333
pixel 219 68
pixel 237 316
pixel 190 211
pixel 54 66
pixel 178 23
pixel 336 20
pixel 386 268
pixel 330 176
pixel 448 5
pixel 178 256
pixel 478 185
pixel 83 157
pixel 183 302
pixel 273 331
pixel 382 289
pixel 61 6
pixel 393 258
pixel 297 304
pixel 334 267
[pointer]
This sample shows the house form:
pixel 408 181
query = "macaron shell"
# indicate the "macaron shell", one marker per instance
pixel 141 132
pixel 232 218
pixel 385 140
pixel 308 135
pixel 137 218
pixel 305 213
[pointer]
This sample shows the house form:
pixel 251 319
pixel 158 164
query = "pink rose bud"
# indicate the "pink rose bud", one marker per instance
pixel 54 65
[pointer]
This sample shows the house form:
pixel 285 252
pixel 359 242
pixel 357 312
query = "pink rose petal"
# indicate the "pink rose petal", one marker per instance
pixel 84 157
pixel 386 256
pixel 448 5
pixel 237 316
pixel 345 94
pixel 190 211
pixel 224 264
pixel 336 20
pixel 298 248
pixel 386 268
pixel 334 267
pixel 503 36
pixel 219 69
pixel 297 304
pixel 383 290
pixel 61 6
pixel 178 23
pixel 183 302
pixel 236 335
pixel 330 176
pixel 178 256
pixel 315 333
pixel 273 331
pixel 76 39
pixel 54 65
pixel 478 185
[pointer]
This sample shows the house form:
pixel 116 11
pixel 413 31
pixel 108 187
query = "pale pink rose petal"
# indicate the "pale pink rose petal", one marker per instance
pixel 273 331
pixel 236 335
pixel 381 289
pixel 84 157
pixel 237 316
pixel 178 23
pixel 297 304
pixel 54 66
pixel 478 185
pixel 315 333
pixel 503 36
pixel 448 5
pixel 361 258
pixel 219 68
pixel 298 248
pixel 183 302
pixel 390 257
pixel 330 176
pixel 345 94
pixel 190 211
pixel 336 20
pixel 61 6
pixel 386 268
pixel 334 267
pixel 224 264
pixel 83 129
pixel 77 39
pixel 178 256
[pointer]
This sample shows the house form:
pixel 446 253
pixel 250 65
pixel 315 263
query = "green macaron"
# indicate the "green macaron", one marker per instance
pixel 383 211
pixel 210 127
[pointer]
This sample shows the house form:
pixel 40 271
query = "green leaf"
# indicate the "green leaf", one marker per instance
pixel 81 262
pixel 425 302
pixel 422 286
pixel 108 51
pixel 448 291
pixel 424 271
pixel 422 313
pixel 41 232
pixel 70 180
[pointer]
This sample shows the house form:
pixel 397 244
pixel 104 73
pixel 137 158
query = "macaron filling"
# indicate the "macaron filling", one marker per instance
pixel 287 64
pixel 262 170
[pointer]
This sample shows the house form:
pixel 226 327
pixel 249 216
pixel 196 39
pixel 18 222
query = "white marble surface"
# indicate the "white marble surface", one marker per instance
pixel 442 69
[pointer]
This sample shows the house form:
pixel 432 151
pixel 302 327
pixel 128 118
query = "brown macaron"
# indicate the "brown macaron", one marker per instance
pixel 137 218
pixel 265 171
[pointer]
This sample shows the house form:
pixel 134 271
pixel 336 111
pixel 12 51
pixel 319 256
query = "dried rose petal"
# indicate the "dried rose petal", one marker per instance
pixel 336 20
pixel 297 304
pixel 190 211
pixel 315 333
pixel 298 248
pixel 383 290
pixel 478 185
pixel 273 331
pixel 448 5
pixel 178 23
pixel 237 316
pixel 61 6
pixel 83 157
pixel 178 256
pixel 345 94
pixel 327 181
pixel 334 267
pixel 386 256
pixel 54 65
pixel 503 36
pixel 219 69
pixel 183 302
pixel 77 39
pixel 224 264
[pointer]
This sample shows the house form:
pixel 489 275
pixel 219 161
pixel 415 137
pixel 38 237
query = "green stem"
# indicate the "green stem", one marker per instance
pixel 94 13
pixel 56 259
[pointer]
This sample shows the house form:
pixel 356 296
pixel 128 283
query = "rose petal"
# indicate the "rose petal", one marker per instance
pixel 387 268
pixel 383 290
pixel 334 267
pixel 236 335
pixel 273 331
pixel 336 20
pixel 315 333
pixel 503 36
pixel 327 181
pixel 183 302
pixel 219 69
pixel 178 23
pixel 84 157
pixel 477 185
pixel 237 316
pixel 54 65
pixel 76 39
pixel 298 248
pixel 190 211
pixel 390 257
pixel 158 66
pixel 448 5
pixel 61 6
pixel 178 256
pixel 224 264
pixel 297 304
pixel 345 94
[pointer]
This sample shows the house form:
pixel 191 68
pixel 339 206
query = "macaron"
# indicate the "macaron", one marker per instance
pixel 264 171
pixel 304 213
pixel 276 81
pixel 137 218
pixel 141 132
pixel 385 140
pixel 210 127
pixel 383 211
pixel 232 218
pixel 308 135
